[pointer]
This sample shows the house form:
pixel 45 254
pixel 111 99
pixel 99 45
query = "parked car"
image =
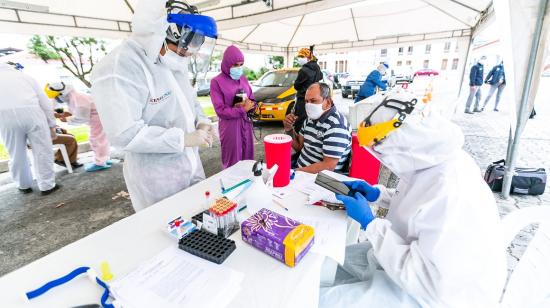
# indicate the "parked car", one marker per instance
pixel 275 94
pixel 352 85
pixel 426 72
pixel 203 89
pixel 403 75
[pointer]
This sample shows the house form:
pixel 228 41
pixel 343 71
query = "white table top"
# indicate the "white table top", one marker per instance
pixel 135 239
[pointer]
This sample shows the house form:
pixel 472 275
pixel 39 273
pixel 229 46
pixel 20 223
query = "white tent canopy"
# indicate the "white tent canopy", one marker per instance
pixel 285 26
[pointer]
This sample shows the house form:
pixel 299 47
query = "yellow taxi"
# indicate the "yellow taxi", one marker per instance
pixel 275 94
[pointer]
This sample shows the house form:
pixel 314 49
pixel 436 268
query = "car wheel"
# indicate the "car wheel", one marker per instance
pixel 344 95
pixel 289 109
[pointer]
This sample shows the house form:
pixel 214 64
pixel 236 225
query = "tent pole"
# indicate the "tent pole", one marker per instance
pixel 465 63
pixel 522 114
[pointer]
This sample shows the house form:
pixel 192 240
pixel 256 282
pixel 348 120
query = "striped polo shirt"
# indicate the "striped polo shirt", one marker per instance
pixel 330 136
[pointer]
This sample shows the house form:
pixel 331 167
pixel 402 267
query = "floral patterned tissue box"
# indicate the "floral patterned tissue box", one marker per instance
pixel 283 238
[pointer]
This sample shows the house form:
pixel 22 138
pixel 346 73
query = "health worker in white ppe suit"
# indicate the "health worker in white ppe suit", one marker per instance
pixel 26 117
pixel 439 244
pixel 147 105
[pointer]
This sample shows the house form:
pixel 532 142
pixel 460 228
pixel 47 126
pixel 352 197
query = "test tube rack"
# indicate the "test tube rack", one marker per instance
pixel 208 246
pixel 225 213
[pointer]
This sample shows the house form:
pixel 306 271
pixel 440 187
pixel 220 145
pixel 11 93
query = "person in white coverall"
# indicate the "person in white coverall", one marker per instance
pixel 439 244
pixel 147 104
pixel 26 116
pixel 83 111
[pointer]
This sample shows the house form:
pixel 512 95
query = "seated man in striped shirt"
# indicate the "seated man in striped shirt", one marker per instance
pixel 324 142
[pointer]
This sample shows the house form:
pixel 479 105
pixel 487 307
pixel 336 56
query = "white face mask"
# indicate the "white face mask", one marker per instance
pixel 314 111
pixel 174 61
pixel 301 60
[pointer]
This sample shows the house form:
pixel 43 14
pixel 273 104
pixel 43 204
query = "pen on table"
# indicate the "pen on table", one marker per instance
pixel 279 204
pixel 235 186
pixel 293 174
pixel 221 185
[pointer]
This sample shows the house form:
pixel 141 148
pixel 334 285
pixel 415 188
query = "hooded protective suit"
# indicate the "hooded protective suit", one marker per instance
pixel 374 79
pixel 235 128
pixel 26 114
pixel 439 244
pixel 148 109
pixel 84 112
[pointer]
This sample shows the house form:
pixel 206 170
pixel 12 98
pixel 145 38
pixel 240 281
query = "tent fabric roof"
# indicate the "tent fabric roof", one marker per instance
pixel 287 25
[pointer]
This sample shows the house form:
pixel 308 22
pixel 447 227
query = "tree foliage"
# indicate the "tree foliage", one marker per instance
pixel 78 55
pixel 37 47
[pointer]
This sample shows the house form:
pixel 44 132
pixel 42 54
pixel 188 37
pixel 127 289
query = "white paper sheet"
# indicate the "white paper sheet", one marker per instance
pixel 328 236
pixel 175 278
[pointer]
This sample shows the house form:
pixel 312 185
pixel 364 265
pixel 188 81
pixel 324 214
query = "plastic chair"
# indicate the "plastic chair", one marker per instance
pixel 529 283
pixel 63 149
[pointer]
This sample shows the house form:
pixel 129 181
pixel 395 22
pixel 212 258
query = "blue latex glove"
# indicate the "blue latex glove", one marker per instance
pixel 371 193
pixel 357 208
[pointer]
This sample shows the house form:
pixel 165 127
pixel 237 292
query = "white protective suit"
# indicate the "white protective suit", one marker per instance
pixel 439 244
pixel 146 109
pixel 26 115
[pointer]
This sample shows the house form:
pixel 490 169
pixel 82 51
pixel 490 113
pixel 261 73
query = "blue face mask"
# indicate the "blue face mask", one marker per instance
pixel 236 72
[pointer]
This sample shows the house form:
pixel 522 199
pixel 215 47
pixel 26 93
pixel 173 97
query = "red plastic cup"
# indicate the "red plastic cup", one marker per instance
pixel 278 149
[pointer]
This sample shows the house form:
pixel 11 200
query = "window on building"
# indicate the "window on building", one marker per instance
pixel 400 51
pixel 399 63
pixel 428 48
pixel 408 63
pixel 444 64
pixel 456 47
pixel 410 50
pixel 426 63
pixel 384 52
pixel 455 64
pixel 447 47
pixel 341 66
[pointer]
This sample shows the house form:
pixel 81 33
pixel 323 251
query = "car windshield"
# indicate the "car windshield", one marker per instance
pixel 278 79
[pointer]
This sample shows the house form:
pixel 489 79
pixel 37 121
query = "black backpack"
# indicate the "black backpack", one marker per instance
pixel 526 181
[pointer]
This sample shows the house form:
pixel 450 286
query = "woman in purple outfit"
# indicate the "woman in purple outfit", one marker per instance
pixel 226 91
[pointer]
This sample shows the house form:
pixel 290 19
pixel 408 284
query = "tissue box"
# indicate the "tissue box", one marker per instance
pixel 280 237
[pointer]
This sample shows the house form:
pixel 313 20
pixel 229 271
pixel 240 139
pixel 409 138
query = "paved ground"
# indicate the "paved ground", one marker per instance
pixel 32 226
pixel 486 139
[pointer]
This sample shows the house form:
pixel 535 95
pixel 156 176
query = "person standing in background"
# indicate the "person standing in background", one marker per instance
pixel 26 115
pixel 309 73
pixel 232 98
pixel 497 80
pixel 476 80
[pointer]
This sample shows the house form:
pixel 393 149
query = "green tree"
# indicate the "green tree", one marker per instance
pixel 276 61
pixel 78 55
pixel 250 74
pixel 37 47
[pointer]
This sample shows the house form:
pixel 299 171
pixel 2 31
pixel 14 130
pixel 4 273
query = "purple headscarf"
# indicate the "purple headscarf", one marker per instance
pixel 231 56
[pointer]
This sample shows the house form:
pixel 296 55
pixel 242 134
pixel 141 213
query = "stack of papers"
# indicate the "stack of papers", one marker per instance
pixel 175 278
pixel 329 233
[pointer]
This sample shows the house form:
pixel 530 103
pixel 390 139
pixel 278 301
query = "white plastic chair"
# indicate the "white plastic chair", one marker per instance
pixel 63 149
pixel 529 283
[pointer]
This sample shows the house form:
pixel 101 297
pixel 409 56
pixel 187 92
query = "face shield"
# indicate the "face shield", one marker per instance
pixel 195 36
pixel 376 127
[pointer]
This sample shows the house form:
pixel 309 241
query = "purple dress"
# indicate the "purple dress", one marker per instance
pixel 237 141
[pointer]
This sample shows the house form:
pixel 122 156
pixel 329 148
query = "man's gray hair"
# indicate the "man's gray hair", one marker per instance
pixel 324 89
